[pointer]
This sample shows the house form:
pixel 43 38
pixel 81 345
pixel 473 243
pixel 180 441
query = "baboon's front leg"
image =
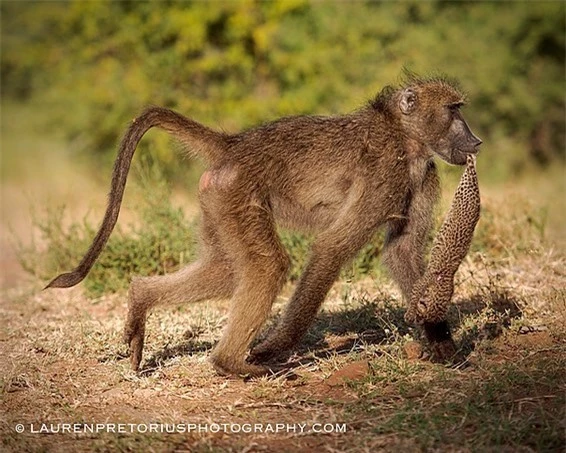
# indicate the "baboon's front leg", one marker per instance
pixel 403 256
pixel 330 251
pixel 433 292
pixel 407 237
pixel 404 252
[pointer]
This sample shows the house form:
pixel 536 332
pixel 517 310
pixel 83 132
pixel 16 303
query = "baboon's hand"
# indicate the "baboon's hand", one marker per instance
pixel 443 351
pixel 268 351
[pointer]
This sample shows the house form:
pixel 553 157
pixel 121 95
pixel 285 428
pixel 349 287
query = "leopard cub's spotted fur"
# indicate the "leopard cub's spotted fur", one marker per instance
pixel 433 291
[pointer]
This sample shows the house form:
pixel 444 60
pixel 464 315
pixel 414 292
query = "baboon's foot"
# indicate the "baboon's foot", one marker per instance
pixel 134 329
pixel 442 345
pixel 231 367
pixel 134 333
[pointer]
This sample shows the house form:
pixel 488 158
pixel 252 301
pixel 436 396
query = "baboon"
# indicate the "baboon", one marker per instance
pixel 433 291
pixel 339 177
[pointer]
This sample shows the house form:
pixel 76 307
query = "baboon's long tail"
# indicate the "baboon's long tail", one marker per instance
pixel 200 139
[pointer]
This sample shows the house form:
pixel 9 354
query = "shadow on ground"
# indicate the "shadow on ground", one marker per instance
pixel 371 322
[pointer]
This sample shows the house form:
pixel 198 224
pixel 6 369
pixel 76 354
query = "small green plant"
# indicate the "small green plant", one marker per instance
pixel 160 242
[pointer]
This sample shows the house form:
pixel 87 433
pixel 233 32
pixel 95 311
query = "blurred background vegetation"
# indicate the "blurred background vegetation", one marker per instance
pixel 81 70
pixel 92 66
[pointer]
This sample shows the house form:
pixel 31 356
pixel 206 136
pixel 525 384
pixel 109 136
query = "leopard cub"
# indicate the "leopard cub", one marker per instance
pixel 432 293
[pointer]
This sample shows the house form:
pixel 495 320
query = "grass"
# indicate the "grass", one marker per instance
pixel 64 362
pixel 507 405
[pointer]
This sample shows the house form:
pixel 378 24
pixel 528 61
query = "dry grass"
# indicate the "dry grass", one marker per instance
pixel 64 363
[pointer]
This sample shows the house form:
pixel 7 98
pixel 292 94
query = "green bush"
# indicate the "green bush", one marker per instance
pixel 161 241
pixel 235 64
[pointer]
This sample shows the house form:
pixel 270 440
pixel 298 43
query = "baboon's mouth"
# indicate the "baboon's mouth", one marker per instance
pixel 477 145
pixel 474 150
pixel 459 156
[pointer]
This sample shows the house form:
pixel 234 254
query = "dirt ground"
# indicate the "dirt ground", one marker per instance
pixel 67 386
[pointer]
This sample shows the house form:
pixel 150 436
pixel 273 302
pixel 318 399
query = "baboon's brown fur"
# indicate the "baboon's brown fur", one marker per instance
pixel 339 177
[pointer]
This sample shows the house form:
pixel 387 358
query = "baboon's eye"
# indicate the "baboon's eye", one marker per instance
pixel 455 107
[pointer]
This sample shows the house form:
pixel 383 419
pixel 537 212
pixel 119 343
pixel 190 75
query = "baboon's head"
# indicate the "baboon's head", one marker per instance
pixel 429 113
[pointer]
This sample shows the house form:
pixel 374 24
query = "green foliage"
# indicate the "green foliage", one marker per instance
pixel 235 64
pixel 365 263
pixel 158 243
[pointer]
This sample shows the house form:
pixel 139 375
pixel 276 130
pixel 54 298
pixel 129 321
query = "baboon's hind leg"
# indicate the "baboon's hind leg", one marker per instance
pixel 210 277
pixel 201 280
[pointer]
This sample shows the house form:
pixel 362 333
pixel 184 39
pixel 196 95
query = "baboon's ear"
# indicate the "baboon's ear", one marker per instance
pixel 408 101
